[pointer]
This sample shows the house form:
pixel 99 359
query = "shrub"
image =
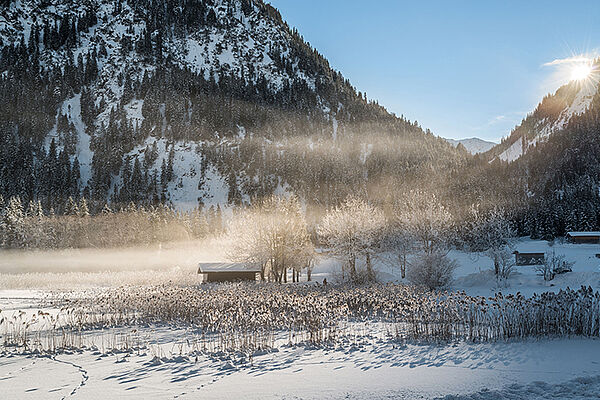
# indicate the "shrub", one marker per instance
pixel 433 271
pixel 553 264
pixel 506 263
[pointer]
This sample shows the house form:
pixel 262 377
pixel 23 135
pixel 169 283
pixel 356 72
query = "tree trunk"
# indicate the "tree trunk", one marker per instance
pixel 353 268
pixel 496 265
pixel 403 265
pixel 370 272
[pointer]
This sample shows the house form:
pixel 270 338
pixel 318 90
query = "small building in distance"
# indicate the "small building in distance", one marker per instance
pixel 229 272
pixel 584 237
pixel 529 258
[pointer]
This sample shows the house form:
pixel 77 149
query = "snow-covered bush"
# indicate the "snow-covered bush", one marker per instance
pixel 432 270
pixel 504 262
pixel 553 265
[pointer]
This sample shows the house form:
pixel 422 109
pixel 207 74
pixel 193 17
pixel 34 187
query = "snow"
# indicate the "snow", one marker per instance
pixel 187 172
pixel 134 112
pixel 228 267
pixel 83 152
pixel 335 129
pixel 214 49
pixel 247 41
pixel 372 366
pixel 366 150
pixel 579 234
pixel 475 272
pixel 513 152
pixel 72 109
pixel 580 104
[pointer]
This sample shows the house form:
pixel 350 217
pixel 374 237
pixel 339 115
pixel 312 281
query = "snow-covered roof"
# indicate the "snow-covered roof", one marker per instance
pixel 228 267
pixel 579 234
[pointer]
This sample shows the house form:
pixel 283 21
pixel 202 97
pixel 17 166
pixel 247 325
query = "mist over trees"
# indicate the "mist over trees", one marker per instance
pixel 364 180
pixel 32 227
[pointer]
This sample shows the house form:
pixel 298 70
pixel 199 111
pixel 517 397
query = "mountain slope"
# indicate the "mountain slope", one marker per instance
pixel 551 184
pixel 196 103
pixel 551 115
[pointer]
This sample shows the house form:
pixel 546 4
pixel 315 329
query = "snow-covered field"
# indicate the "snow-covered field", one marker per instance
pixel 559 369
pixel 158 361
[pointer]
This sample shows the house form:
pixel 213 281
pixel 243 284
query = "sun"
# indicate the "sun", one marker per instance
pixel 581 72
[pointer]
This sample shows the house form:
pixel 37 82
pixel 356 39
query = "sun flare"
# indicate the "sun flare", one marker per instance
pixel 581 72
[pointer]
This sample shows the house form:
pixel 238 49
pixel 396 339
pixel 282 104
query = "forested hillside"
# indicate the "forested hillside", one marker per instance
pixel 187 102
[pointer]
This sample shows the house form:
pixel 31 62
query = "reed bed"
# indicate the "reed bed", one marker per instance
pixel 251 317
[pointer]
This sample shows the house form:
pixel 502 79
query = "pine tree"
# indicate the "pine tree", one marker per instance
pixel 83 208
pixel 71 207
pixel 106 209
pixel 14 224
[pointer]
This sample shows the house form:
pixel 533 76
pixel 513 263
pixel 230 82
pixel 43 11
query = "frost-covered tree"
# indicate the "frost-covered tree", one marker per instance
pixel 13 223
pixel 273 234
pixel 83 208
pixel 35 236
pixel 71 207
pixel 493 233
pixel 398 241
pixel 353 229
pixel 423 217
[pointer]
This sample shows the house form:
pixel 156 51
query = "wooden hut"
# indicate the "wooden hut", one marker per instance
pixel 529 258
pixel 584 237
pixel 229 272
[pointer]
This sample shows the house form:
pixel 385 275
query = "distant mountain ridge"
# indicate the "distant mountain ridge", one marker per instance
pixel 473 145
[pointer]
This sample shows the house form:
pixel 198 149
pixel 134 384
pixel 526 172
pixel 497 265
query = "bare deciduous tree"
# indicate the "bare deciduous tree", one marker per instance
pixel 398 242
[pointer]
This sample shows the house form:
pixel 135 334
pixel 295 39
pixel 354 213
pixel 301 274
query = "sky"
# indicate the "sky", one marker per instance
pixel 460 68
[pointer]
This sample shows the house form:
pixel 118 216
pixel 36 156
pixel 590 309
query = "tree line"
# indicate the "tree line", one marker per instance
pixel 275 234
pixel 30 226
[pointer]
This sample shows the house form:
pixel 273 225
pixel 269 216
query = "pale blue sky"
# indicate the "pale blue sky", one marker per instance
pixel 461 68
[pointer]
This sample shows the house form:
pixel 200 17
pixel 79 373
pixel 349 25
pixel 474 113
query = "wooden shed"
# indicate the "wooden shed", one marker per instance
pixel 584 237
pixel 529 258
pixel 229 272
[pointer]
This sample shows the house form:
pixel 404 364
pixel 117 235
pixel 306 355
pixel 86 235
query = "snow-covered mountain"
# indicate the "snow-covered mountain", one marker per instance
pixel 187 101
pixel 551 115
pixel 473 145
